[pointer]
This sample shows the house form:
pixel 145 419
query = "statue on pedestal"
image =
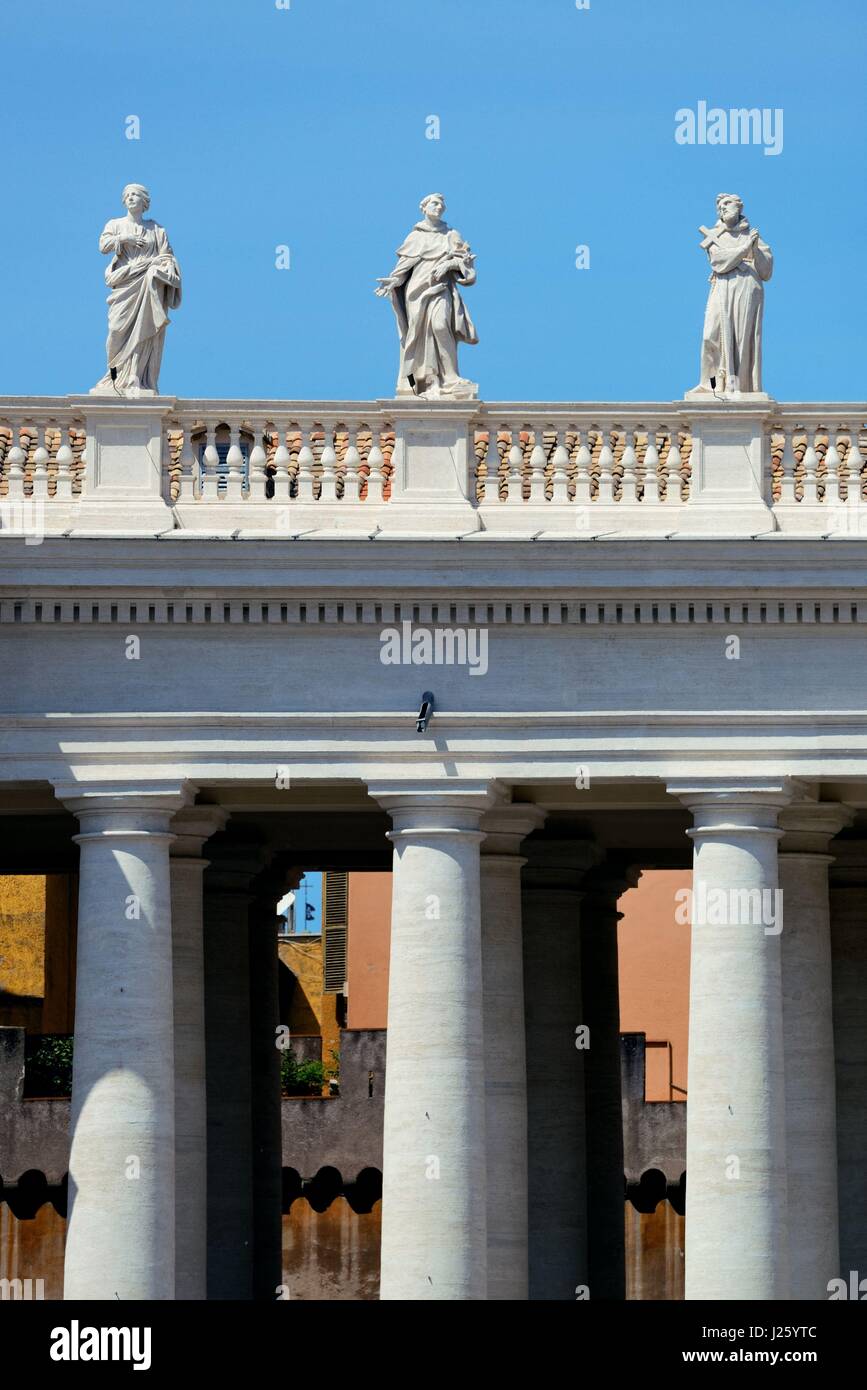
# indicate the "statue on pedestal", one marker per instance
pixel 145 282
pixel 431 316
pixel 731 350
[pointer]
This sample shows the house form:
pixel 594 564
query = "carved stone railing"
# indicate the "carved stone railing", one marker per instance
pixel 406 467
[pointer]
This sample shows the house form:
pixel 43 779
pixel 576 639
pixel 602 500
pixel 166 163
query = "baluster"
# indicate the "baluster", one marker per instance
pixel 305 467
pixel 629 481
pixel 282 459
pixel 854 463
pixel 15 460
pixel 583 461
pixel 187 480
pixel 538 462
pixel 375 476
pixel 492 466
pixel 210 464
pixel 63 483
pixel 606 467
pixel 328 484
pixel 40 465
pixel 560 479
pixel 258 476
pixel 351 465
pixel 672 469
pixel 811 468
pixel 832 470
pixel 651 469
pixel 234 466
pixel 515 484
pixel 789 464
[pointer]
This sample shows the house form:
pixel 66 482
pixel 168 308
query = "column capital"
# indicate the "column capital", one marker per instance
pixel 233 865
pixel 606 883
pixel 124 808
pixel 808 827
pixel 736 804
pixel 849 868
pixel 726 792
pixel 506 827
pixel 560 865
pixel 123 797
pixel 192 826
pixel 437 805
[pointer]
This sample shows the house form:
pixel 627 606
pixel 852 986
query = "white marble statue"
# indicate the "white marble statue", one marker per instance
pixel 731 350
pixel 145 282
pixel 431 316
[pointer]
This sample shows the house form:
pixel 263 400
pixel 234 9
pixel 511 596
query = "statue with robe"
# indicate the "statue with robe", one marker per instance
pixel 145 282
pixel 731 351
pixel 431 316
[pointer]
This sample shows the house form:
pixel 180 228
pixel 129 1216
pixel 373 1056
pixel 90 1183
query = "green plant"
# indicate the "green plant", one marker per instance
pixel 48 1066
pixel 300 1078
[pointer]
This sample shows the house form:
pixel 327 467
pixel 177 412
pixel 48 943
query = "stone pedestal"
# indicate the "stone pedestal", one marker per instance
pixel 434 468
pixel 124 483
pixel 730 485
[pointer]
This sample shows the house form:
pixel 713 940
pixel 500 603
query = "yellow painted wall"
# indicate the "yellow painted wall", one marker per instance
pixel 37 952
pixel 312 1011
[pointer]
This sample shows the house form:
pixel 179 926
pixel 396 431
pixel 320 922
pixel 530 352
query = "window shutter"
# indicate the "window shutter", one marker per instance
pixel 335 929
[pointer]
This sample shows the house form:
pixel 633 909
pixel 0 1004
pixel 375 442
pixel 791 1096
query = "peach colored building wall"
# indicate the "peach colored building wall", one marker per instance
pixel 654 978
pixel 369 940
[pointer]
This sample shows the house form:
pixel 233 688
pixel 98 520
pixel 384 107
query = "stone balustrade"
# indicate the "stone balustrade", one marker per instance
pixel 412 467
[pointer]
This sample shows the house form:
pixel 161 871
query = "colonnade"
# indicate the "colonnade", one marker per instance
pixel 502 1170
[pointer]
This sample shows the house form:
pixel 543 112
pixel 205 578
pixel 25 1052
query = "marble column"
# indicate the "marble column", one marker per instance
pixel 808 1045
pixel 191 827
pixel 554 1011
pixel 849 976
pixel 120 1243
pixel 603 1102
pixel 505 1048
pixel 434 1204
pixel 269 888
pixel 233 866
pixel 736 1212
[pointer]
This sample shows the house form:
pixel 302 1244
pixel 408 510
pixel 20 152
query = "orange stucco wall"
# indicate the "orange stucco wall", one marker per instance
pixel 654 978
pixel 369 940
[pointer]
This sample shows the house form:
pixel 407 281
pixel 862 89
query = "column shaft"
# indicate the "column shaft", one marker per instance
pixel 554 1011
pixel 120 1243
pixel 227 1037
pixel 849 974
pixel 505 1049
pixel 606 1254
pixel 265 1094
pixel 191 828
pixel 434 1205
pixel 736 1214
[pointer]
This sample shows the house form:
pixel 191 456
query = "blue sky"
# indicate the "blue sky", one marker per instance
pixel 306 127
